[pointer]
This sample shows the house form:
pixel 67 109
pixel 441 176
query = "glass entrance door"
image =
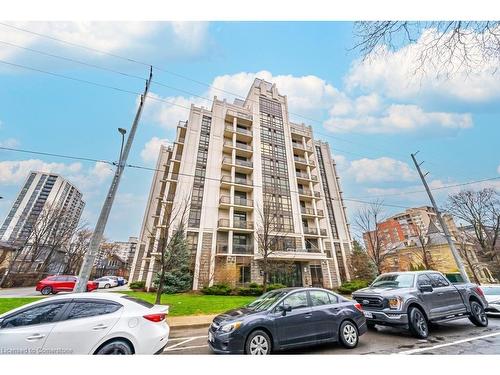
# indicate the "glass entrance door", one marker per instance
pixel 316 276
pixel 286 274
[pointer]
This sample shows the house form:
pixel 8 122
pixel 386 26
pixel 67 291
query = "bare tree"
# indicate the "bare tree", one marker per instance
pixel 76 250
pixel 107 250
pixel 445 46
pixel 167 239
pixel 378 246
pixel 270 234
pixel 480 210
pixel 464 244
pixel 423 252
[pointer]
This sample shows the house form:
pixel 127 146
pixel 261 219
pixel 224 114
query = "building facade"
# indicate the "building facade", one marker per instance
pixel 41 191
pixel 230 161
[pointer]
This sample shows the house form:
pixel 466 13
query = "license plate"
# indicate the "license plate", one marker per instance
pixel 210 337
pixel 368 314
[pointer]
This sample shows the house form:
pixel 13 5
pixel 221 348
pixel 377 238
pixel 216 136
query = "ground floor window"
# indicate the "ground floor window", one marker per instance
pixel 244 274
pixel 289 274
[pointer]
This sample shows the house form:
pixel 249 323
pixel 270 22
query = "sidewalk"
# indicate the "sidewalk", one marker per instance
pixel 192 321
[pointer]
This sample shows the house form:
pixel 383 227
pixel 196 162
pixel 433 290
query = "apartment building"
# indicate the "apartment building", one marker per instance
pixel 232 160
pixel 41 191
pixel 413 222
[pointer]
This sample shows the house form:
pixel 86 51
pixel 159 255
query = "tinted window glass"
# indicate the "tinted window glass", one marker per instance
pixel 36 315
pixel 297 300
pixel 139 301
pixel 402 280
pixel 319 298
pixel 423 280
pixel 91 308
pixel 60 278
pixel 437 280
pixel 334 298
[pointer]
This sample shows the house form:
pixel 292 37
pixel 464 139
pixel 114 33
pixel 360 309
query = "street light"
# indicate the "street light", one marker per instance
pixel 122 132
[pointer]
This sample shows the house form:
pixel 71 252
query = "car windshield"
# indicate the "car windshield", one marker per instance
pixel 491 290
pixel 266 300
pixel 394 281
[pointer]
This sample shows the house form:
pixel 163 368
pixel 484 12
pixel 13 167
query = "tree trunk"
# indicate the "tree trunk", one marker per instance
pixel 159 290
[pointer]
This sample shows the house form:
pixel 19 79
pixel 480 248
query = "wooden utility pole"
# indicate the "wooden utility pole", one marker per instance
pixel 447 234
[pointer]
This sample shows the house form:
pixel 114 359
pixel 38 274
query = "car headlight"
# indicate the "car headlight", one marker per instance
pixel 230 327
pixel 395 303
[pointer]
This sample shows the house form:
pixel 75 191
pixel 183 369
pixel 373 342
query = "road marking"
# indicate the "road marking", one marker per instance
pixel 185 348
pixel 419 350
pixel 186 338
pixel 180 343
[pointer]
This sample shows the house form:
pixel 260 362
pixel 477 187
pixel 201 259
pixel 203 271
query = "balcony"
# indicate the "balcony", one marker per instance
pixel 244 118
pixel 301 130
pixel 310 231
pixel 303 161
pixel 225 200
pixel 242 149
pixel 180 140
pixel 296 253
pixel 306 211
pixel 244 184
pixel 241 225
pixel 305 177
pixel 223 248
pixel 172 177
pixel 177 157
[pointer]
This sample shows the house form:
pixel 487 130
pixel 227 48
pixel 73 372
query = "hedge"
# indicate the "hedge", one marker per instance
pixel 137 285
pixel 253 289
pixel 353 285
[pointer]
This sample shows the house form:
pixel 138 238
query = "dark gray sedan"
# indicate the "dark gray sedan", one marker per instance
pixel 288 318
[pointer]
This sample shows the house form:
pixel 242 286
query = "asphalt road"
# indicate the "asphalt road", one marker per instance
pixel 458 337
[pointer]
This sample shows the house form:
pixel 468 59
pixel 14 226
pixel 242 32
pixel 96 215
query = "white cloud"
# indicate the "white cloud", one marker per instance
pixel 14 172
pixel 393 73
pixel 383 169
pixel 149 153
pixel 9 142
pixel 400 118
pixel 179 38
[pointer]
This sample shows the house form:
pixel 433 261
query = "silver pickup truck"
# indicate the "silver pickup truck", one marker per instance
pixel 418 299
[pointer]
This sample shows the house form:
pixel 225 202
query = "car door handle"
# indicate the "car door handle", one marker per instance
pixel 308 315
pixel 35 337
pixel 440 293
pixel 99 327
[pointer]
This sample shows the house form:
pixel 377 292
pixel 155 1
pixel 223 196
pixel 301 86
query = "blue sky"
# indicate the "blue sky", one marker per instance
pixel 373 113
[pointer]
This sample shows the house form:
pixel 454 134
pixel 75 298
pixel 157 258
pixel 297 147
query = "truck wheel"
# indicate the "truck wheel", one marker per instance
pixel 417 323
pixel 478 316
pixel 348 335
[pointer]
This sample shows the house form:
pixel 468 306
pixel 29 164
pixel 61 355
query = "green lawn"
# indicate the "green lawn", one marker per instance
pixel 180 304
pixel 195 304
pixel 7 304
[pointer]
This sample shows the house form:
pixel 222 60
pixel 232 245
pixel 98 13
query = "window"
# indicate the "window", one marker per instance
pixel 245 274
pixel 297 300
pixel 423 280
pixel 138 301
pixel 91 308
pixel 319 298
pixel 333 298
pixel 438 281
pixel 36 315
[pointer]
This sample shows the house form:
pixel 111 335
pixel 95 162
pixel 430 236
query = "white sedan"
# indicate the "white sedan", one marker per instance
pixel 106 282
pixel 85 323
pixel 492 295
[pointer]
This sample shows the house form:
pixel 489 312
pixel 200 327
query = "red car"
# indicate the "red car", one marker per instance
pixel 61 283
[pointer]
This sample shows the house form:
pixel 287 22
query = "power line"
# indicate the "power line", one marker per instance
pixel 353 199
pixel 128 59
pixel 172 73
pixel 178 173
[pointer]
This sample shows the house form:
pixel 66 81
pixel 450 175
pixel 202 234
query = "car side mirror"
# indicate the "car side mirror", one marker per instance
pixel 425 288
pixel 284 309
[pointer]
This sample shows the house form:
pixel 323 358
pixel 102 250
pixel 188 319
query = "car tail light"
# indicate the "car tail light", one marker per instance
pixel 479 291
pixel 358 307
pixel 156 318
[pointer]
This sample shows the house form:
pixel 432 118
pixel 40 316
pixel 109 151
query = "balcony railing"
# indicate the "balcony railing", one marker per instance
pixel 244 163
pixel 242 224
pixel 237 200
pixel 238 114
pixel 243 131
pixel 173 176
pixel 307 211
pixel 223 248
pixel 303 191
pixel 243 146
pixel 243 201
pixel 302 250
pixel 311 231
pixel 237 180
pixel 238 224
pixel 322 232
pixel 177 157
pixel 170 197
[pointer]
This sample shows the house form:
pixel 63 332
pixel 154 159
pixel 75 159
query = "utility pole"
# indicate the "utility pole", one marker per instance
pixel 95 242
pixel 456 255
